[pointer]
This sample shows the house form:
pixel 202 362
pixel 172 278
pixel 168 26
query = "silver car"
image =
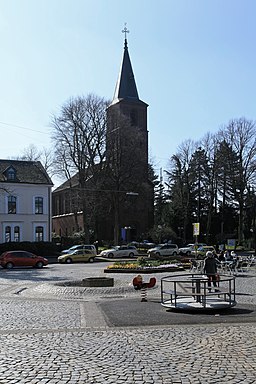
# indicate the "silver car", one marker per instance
pixel 164 250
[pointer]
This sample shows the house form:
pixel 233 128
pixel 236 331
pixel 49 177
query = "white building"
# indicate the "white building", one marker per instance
pixel 25 201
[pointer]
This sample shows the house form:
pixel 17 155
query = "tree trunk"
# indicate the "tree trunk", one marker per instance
pixel 116 220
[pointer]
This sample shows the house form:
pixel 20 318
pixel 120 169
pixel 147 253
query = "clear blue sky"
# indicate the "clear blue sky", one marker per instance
pixel 194 63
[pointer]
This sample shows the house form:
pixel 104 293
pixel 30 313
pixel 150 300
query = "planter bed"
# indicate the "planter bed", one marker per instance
pixel 143 270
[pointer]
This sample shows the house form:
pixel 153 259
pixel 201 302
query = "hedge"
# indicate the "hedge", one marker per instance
pixel 39 248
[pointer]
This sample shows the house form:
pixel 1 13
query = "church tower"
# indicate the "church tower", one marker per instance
pixel 127 152
pixel 127 114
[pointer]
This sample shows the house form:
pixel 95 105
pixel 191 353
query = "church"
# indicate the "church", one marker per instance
pixel 125 200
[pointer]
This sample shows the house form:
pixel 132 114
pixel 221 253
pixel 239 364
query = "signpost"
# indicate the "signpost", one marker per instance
pixel 196 232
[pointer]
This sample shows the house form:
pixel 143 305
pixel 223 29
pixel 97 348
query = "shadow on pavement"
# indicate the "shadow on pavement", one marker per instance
pixel 132 312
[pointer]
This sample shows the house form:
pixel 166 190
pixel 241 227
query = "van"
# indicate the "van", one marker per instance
pixel 80 247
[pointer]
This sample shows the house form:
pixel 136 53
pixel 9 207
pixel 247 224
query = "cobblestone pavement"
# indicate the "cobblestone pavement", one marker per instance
pixel 49 335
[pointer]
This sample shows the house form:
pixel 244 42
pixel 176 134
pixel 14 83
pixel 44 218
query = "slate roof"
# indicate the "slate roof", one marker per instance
pixel 126 88
pixel 27 172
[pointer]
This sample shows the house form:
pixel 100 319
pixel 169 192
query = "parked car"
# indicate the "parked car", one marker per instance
pixel 10 259
pixel 201 251
pixel 145 244
pixel 164 250
pixel 120 251
pixel 78 255
pixel 187 250
pixel 80 247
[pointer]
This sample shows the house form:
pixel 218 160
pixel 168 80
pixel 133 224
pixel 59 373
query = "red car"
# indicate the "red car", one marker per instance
pixel 12 259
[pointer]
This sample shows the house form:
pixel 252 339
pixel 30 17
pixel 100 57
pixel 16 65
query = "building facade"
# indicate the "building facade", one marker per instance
pixel 25 202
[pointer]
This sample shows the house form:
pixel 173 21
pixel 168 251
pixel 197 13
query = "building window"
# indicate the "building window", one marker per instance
pixel 17 233
pixel 39 234
pixel 11 174
pixel 12 204
pixel 39 206
pixel 7 234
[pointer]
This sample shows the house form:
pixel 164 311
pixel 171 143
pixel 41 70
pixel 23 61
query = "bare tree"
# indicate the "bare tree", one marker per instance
pixel 44 155
pixel 79 132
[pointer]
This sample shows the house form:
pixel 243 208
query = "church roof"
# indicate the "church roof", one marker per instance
pixel 126 88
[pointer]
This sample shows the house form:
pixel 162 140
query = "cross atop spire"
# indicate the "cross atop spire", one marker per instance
pixel 125 31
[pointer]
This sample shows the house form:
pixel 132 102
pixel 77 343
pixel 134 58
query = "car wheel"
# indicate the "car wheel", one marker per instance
pixel 157 254
pixel 110 255
pixel 9 265
pixel 188 253
pixel 174 254
pixel 131 254
pixel 68 261
pixel 39 264
pixel 91 260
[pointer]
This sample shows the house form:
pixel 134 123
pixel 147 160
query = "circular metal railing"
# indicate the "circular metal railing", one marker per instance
pixel 196 291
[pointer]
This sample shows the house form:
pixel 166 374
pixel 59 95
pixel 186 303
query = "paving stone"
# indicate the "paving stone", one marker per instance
pixel 47 336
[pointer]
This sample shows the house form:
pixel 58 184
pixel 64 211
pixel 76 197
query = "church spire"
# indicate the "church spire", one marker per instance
pixel 126 85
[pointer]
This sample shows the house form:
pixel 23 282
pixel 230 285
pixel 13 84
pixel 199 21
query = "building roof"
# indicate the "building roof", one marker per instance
pixel 70 183
pixel 126 88
pixel 27 172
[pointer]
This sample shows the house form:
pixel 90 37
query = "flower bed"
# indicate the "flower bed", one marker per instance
pixel 143 266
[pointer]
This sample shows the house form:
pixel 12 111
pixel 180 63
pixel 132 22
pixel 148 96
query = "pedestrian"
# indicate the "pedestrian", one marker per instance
pixel 221 256
pixel 96 244
pixel 227 255
pixel 210 269
pixel 233 255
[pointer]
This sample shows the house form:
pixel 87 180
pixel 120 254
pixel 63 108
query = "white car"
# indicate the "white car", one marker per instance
pixel 120 251
pixel 164 250
pixel 189 248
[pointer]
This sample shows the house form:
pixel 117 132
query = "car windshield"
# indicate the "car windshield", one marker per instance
pixel 74 247
pixel 72 251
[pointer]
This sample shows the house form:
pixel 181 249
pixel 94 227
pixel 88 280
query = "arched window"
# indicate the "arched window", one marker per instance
pixel 39 234
pixel 12 202
pixel 17 233
pixel 7 234
pixel 11 174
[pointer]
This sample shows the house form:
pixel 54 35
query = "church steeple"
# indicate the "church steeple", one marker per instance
pixel 126 86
